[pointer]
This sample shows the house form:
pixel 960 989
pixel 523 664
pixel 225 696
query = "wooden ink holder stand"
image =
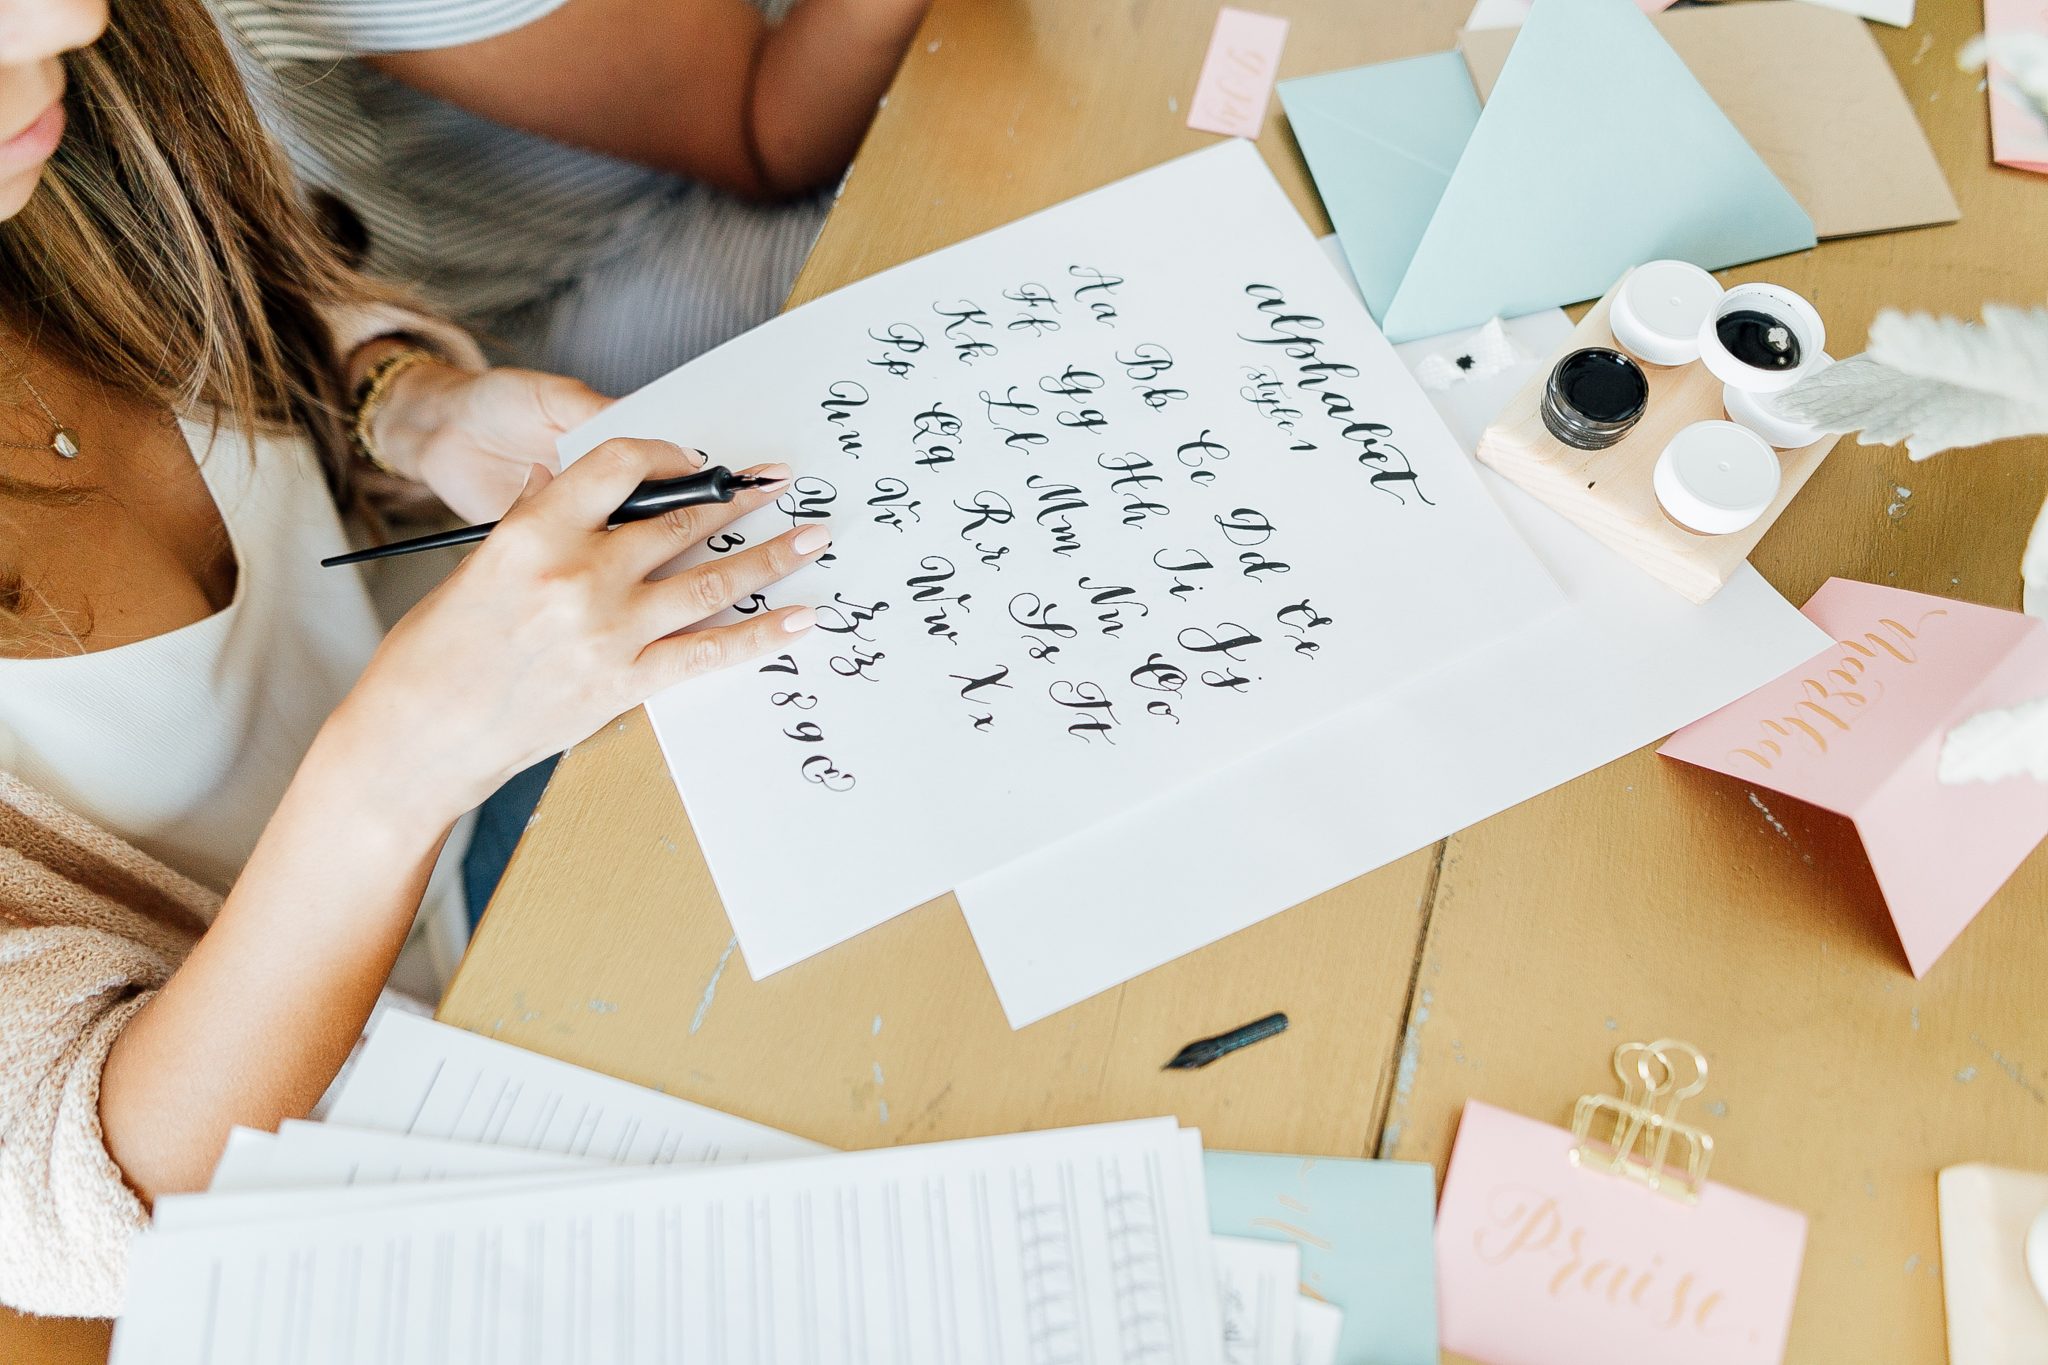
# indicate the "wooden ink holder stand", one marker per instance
pixel 1608 492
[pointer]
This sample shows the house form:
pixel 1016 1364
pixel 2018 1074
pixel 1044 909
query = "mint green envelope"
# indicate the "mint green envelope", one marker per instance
pixel 1596 152
pixel 1367 1233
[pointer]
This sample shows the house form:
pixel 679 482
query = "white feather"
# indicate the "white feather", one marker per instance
pixel 1935 383
pixel 1993 745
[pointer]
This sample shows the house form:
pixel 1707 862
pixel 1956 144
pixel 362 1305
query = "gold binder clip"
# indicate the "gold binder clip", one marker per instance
pixel 1641 1125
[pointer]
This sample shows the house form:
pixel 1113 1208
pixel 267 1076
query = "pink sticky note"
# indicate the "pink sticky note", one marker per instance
pixel 1858 730
pixel 2019 130
pixel 1540 1262
pixel 1237 75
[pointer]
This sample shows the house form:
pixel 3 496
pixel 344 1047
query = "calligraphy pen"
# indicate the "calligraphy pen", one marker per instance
pixel 650 499
pixel 1203 1051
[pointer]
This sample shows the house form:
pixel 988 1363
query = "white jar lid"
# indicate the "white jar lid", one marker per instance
pixel 1758 412
pixel 1657 312
pixel 1716 477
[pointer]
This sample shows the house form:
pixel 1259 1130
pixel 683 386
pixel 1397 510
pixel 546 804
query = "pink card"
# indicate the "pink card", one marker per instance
pixel 1858 730
pixel 2019 130
pixel 1237 75
pixel 1540 1262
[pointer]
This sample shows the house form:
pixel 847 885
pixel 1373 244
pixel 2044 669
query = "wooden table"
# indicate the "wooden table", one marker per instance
pixel 1642 900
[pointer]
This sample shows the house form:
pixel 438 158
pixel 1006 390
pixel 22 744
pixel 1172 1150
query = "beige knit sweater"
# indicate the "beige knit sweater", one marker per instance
pixel 89 928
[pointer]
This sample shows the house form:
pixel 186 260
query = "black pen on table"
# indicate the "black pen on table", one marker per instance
pixel 650 499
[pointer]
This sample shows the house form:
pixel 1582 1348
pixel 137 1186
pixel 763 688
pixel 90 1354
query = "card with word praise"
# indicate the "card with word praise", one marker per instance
pixel 1119 493
pixel 1543 1262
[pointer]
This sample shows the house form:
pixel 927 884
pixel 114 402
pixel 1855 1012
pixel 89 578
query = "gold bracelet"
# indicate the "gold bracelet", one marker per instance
pixel 369 400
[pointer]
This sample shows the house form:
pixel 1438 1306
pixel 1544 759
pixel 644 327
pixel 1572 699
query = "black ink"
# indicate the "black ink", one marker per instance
pixel 966 347
pixel 1100 284
pixel 1036 614
pixel 840 401
pixel 1197 640
pixel 818 768
pixel 893 497
pixel 974 684
pixel 1246 526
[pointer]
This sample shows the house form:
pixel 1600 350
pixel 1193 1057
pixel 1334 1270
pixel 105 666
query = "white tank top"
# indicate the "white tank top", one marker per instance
pixel 183 744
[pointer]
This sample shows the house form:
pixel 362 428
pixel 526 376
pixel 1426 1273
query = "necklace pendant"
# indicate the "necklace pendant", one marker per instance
pixel 65 442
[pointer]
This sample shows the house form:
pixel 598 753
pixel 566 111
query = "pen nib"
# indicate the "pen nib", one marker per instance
pixel 751 481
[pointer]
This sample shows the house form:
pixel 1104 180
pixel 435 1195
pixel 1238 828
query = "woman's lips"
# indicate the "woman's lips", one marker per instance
pixel 33 145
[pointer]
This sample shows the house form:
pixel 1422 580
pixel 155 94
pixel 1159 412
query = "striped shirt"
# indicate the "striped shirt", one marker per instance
pixel 536 244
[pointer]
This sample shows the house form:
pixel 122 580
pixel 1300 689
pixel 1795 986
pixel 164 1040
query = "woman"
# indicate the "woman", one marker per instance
pixel 174 452
pixel 601 187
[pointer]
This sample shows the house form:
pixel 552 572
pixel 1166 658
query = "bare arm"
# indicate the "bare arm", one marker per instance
pixel 255 1024
pixel 548 630
pixel 700 88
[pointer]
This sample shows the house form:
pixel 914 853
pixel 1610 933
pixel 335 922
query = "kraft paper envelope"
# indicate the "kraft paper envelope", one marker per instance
pixel 1540 1262
pixel 1598 151
pixel 1810 89
pixel 1858 730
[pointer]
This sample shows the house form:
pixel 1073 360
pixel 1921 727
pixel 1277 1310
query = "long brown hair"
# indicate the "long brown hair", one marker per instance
pixel 166 254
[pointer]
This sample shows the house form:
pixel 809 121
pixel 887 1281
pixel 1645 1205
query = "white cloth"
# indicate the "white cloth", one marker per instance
pixel 183 744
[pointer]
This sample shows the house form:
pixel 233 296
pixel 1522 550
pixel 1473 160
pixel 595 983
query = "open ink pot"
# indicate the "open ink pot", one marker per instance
pixel 1594 398
pixel 1761 339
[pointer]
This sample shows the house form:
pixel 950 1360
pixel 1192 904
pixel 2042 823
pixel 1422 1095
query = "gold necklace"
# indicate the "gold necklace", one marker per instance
pixel 62 439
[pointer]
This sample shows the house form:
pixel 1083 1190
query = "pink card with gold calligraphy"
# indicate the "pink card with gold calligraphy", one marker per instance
pixel 1236 83
pixel 1541 1262
pixel 1858 730
pixel 2017 40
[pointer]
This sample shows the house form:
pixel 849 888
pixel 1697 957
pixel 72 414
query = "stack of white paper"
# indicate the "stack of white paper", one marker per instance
pixel 332 1244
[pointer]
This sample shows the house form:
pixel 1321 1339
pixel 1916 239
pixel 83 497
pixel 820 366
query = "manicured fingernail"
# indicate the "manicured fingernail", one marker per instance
pixel 811 539
pixel 774 473
pixel 800 620
pixel 698 458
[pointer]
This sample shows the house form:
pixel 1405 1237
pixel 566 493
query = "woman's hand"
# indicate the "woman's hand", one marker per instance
pixel 551 628
pixel 472 437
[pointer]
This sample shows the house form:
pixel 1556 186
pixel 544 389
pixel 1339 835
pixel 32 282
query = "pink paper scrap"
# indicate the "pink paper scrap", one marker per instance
pixel 2016 34
pixel 1236 83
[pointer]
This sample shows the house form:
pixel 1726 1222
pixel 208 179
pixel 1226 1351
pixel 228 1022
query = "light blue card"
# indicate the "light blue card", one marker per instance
pixel 1598 150
pixel 1367 1235
pixel 1382 142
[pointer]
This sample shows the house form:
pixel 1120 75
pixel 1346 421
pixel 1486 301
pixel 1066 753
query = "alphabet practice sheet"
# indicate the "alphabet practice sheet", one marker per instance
pixel 1120 493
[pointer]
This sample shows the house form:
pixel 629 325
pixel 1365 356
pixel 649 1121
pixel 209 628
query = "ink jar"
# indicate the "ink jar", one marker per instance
pixel 1594 398
pixel 1762 339
pixel 1657 312
pixel 1716 478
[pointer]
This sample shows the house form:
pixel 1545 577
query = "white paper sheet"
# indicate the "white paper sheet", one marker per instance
pixel 321 1155
pixel 1626 663
pixel 418 1076
pixel 1120 492
pixel 1317 1329
pixel 1074 1244
pixel 1260 1286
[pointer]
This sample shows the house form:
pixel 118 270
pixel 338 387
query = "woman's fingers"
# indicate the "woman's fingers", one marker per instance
pixel 669 661
pixel 588 492
pixel 647 545
pixel 706 589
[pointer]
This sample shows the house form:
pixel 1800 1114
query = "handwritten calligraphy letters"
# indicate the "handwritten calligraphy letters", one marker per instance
pixel 1118 493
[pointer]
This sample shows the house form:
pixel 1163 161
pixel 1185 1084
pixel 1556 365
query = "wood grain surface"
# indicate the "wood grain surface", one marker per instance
pixel 1642 900
pixel 1645 899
